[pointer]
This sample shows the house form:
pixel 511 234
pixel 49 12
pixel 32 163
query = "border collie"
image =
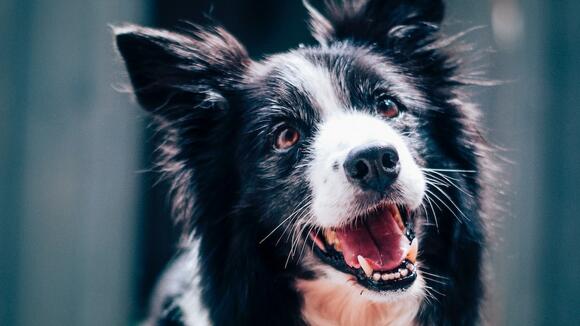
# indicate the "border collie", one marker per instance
pixel 335 184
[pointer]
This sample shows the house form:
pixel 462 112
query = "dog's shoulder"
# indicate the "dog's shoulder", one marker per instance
pixel 177 298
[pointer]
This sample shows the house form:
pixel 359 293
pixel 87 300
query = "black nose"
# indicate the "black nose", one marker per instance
pixel 372 167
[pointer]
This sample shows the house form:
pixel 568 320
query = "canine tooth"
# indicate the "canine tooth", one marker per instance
pixel 410 267
pixel 385 277
pixel 376 276
pixel 412 255
pixel 366 267
pixel 337 245
pixel 330 236
pixel 404 272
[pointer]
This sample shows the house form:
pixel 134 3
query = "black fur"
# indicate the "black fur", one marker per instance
pixel 230 189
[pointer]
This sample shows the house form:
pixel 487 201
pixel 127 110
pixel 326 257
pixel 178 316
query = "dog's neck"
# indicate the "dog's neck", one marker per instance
pixel 327 303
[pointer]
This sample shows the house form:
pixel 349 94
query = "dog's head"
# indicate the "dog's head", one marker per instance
pixel 325 149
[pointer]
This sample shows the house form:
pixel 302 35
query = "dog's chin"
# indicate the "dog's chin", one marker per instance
pixel 376 254
pixel 345 282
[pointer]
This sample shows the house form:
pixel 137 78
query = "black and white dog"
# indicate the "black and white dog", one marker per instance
pixel 334 184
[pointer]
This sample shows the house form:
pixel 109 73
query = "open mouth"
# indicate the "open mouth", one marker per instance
pixel 379 250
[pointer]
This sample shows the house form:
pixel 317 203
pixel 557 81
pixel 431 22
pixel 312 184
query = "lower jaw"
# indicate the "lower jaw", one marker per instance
pixel 396 280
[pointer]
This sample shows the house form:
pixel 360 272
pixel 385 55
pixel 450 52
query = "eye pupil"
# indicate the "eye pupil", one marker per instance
pixel 388 108
pixel 287 137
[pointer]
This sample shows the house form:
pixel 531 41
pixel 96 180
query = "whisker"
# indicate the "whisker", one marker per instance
pixel 274 230
pixel 298 212
pixel 437 182
pixel 430 202
pixel 434 280
pixel 441 177
pixel 423 271
pixel 298 230
pixel 445 204
pixel 425 211
pixel 450 170
pixel 318 229
pixel 452 202
pixel 285 220
pixel 304 242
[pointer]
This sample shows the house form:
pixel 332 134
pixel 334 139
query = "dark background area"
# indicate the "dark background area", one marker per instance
pixel 84 228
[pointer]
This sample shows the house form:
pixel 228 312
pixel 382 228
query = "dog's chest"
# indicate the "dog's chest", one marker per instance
pixel 326 304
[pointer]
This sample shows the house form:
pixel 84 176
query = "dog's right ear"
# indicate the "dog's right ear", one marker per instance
pixel 187 81
pixel 372 21
pixel 172 73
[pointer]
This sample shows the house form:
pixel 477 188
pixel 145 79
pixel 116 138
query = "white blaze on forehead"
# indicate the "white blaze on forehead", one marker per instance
pixel 314 80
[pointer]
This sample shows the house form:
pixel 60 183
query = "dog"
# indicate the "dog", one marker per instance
pixel 341 183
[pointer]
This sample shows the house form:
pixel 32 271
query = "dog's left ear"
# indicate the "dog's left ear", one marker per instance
pixel 373 21
pixel 178 73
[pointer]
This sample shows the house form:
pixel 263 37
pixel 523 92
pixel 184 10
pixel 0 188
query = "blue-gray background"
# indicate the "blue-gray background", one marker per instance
pixel 83 232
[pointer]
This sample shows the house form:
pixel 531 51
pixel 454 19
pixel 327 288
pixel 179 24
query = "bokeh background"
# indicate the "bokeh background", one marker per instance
pixel 84 230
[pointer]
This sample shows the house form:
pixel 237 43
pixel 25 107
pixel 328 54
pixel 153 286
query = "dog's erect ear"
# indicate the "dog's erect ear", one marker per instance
pixel 371 21
pixel 171 71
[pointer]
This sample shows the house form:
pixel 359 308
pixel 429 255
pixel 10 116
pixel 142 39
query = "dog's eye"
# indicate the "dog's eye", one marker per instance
pixel 388 107
pixel 286 137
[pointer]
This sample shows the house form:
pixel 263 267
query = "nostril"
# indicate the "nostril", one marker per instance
pixel 361 169
pixel 390 159
pixel 372 167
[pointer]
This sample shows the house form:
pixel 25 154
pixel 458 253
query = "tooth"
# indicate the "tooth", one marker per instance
pixel 337 245
pixel 397 275
pixel 412 255
pixel 376 276
pixel 410 267
pixel 330 236
pixel 364 264
pixel 385 277
pixel 404 272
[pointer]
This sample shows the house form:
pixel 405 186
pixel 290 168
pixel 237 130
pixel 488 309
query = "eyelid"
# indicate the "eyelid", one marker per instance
pixel 380 94
pixel 277 126
pixel 297 124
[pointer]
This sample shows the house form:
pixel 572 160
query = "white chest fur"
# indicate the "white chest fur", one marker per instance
pixel 327 303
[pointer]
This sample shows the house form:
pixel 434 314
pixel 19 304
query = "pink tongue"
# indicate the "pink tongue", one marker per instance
pixel 379 239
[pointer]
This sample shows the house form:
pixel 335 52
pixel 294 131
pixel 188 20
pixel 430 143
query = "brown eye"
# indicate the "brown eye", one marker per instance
pixel 286 137
pixel 387 107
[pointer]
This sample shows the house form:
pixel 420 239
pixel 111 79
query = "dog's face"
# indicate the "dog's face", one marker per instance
pixel 326 146
pixel 332 149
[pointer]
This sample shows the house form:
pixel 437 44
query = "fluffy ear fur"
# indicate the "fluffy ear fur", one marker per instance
pixel 188 81
pixel 169 69
pixel 371 21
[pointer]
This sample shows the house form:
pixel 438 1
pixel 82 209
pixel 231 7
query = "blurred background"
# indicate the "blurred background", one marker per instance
pixel 84 230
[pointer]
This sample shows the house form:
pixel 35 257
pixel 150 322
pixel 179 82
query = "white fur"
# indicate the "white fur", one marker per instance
pixel 326 304
pixel 312 79
pixel 336 299
pixel 334 200
pixel 194 312
pixel 182 279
